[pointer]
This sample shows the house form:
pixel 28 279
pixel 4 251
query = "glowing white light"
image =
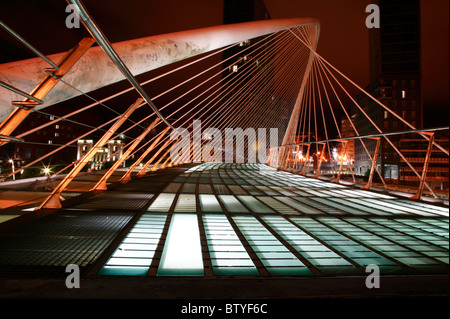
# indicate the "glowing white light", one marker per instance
pixel 335 153
pixel 182 253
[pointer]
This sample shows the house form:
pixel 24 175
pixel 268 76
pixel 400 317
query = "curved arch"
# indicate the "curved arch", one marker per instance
pixel 95 70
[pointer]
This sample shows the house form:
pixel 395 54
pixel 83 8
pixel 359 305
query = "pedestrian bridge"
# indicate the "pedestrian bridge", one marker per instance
pixel 157 213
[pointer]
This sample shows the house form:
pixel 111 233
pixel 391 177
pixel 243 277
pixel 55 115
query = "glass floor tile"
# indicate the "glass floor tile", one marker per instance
pixel 162 203
pixel 134 255
pixel 182 253
pixel 228 255
pixel 251 218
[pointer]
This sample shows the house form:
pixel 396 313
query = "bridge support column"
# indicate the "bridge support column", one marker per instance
pixel 101 184
pixel 127 176
pixel 306 160
pixel 374 163
pixel 25 107
pixel 288 154
pixel 142 172
pixel 295 158
pixel 418 195
pixel 338 178
pixel 320 160
pixel 53 200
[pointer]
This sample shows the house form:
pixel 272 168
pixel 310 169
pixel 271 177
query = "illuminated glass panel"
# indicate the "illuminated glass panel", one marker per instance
pixel 237 190
pixel 134 255
pixel 369 194
pixel 314 192
pixel 255 205
pixel 302 193
pixel 278 206
pixel 357 193
pixel 441 222
pixel 277 259
pixel 376 241
pixel 186 204
pixel 182 253
pixel 437 210
pixel 162 203
pixel 205 189
pixel 377 205
pixel 209 204
pixel 284 191
pixel 252 190
pixel 299 206
pixel 334 203
pixel 319 206
pixel 337 193
pixel 172 188
pixel 228 255
pixel 346 246
pixel 4 218
pixel 347 204
pixel 433 226
pixel 232 204
pixel 408 208
pixel 322 257
pixel 188 188
pixel 221 189
pixel 268 190
pixel 414 239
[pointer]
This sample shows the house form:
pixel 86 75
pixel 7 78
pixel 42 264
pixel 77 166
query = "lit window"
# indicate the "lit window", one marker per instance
pixel 50 142
pixel 403 94
pixel 57 126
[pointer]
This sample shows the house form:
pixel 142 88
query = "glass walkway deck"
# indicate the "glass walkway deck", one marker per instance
pixel 240 220
pixel 252 220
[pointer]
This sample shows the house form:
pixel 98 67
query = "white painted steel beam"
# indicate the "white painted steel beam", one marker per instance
pixel 95 70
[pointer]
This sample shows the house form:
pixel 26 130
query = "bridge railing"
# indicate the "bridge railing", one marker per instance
pixel 419 169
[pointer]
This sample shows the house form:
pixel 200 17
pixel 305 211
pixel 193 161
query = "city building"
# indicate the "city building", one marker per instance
pixel 46 139
pixel 414 151
pixel 348 131
pixel 106 154
pixel 395 81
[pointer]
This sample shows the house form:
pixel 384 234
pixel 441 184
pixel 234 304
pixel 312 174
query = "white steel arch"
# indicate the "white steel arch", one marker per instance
pixel 95 70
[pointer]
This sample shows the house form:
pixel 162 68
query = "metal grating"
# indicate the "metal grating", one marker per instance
pixel 45 247
pixel 115 201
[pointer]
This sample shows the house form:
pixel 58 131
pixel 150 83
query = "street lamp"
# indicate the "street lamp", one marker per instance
pixel 12 167
pixel 46 170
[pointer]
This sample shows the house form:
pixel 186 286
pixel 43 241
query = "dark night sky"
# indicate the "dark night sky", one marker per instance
pixel 343 40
